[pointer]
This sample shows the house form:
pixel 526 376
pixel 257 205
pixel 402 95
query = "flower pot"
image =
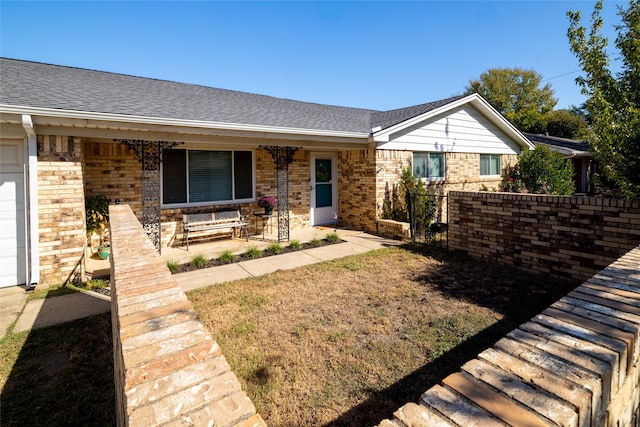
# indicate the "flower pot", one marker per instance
pixel 103 251
pixel 268 210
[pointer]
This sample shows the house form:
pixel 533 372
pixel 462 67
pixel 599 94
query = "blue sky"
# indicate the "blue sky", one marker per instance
pixel 365 54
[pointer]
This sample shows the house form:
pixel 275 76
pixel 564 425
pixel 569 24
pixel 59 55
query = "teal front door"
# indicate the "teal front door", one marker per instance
pixel 324 191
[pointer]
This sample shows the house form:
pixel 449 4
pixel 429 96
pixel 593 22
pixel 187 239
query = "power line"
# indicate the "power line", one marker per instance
pixel 561 75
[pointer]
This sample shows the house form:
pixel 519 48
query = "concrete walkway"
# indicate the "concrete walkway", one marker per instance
pixel 51 311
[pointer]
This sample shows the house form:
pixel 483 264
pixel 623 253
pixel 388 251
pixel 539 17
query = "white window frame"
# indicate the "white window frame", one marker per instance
pixel 491 156
pixel 429 154
pixel 252 199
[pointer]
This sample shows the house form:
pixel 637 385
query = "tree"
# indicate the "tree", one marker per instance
pixel 566 124
pixel 540 171
pixel 517 94
pixel 613 101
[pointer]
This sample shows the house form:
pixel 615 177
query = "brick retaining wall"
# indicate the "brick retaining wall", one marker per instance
pixel 168 369
pixel 572 237
pixel 575 364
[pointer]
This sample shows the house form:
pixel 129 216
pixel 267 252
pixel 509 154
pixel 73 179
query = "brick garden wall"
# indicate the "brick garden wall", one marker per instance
pixel 571 237
pixel 168 369
pixel 575 364
pixel 60 209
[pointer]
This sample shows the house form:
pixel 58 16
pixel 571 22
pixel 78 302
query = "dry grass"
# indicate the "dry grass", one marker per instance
pixel 349 341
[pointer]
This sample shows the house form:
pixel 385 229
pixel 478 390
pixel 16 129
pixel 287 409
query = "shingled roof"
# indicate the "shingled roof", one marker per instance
pixel 34 84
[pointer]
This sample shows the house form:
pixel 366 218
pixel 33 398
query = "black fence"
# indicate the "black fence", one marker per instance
pixel 428 219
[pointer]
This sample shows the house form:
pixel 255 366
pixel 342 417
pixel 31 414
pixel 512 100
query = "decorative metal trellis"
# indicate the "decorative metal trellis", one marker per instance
pixel 282 156
pixel 149 154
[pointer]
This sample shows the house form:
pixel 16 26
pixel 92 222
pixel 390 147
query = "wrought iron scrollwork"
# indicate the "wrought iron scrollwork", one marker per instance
pixel 149 154
pixel 282 156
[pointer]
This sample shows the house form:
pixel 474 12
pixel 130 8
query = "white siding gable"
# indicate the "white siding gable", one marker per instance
pixel 460 130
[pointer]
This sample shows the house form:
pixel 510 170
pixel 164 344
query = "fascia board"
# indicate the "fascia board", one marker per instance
pixel 92 119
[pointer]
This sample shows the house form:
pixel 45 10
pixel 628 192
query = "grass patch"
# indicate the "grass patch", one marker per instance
pixel 347 342
pixel 68 288
pixel 62 375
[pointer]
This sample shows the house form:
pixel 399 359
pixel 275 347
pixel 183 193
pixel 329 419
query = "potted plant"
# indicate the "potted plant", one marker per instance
pixel 268 203
pixel 97 221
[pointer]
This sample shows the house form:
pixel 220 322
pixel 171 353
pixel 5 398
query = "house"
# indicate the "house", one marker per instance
pixel 167 148
pixel 575 151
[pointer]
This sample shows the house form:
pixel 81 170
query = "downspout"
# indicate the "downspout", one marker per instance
pixel 31 196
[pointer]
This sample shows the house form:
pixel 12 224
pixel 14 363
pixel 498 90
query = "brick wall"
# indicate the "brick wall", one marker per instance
pixel 168 369
pixel 356 190
pixel 112 170
pixel 571 237
pixel 60 209
pixel 575 364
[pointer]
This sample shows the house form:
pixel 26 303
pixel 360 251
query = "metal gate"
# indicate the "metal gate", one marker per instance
pixel 428 218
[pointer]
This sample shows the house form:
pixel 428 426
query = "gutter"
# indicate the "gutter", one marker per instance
pixel 86 119
pixel 32 251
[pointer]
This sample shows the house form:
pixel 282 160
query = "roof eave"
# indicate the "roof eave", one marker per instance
pixel 87 119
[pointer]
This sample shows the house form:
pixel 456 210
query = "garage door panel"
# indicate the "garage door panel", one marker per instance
pixel 12 213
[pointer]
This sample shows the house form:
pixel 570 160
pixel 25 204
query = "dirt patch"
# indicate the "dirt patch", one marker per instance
pixel 347 342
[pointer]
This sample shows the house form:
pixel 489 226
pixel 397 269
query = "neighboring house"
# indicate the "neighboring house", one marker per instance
pixel 577 151
pixel 67 133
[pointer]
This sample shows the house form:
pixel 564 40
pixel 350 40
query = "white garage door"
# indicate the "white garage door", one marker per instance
pixel 12 213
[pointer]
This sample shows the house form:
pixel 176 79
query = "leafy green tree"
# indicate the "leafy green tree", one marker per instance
pixel 540 171
pixel 613 100
pixel 517 94
pixel 566 124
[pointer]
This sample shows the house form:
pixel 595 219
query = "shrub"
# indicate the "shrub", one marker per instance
pixel 198 261
pixel 226 257
pixel 315 242
pixel 332 238
pixel 274 248
pixel 173 265
pixel 540 171
pixel 295 245
pixel 252 252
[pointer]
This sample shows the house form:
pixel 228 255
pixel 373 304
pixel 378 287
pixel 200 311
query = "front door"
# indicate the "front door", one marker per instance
pixel 324 189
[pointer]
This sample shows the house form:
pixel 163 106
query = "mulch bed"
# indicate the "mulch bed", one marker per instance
pixel 183 268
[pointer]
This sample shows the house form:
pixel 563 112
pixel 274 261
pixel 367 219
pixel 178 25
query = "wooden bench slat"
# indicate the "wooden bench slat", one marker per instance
pixel 203 221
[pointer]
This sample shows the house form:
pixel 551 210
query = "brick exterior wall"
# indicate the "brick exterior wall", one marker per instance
pixel 356 190
pixel 167 368
pixel 112 170
pixel 572 237
pixel 61 215
pixel 462 172
pixel 575 364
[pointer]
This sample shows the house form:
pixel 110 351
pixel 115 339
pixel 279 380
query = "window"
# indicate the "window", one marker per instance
pixel 204 176
pixel 428 165
pixel 490 164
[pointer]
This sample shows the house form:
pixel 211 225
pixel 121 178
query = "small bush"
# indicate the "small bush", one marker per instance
pixel 332 238
pixel 173 265
pixel 226 257
pixel 295 245
pixel 274 248
pixel 198 261
pixel 315 242
pixel 252 252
